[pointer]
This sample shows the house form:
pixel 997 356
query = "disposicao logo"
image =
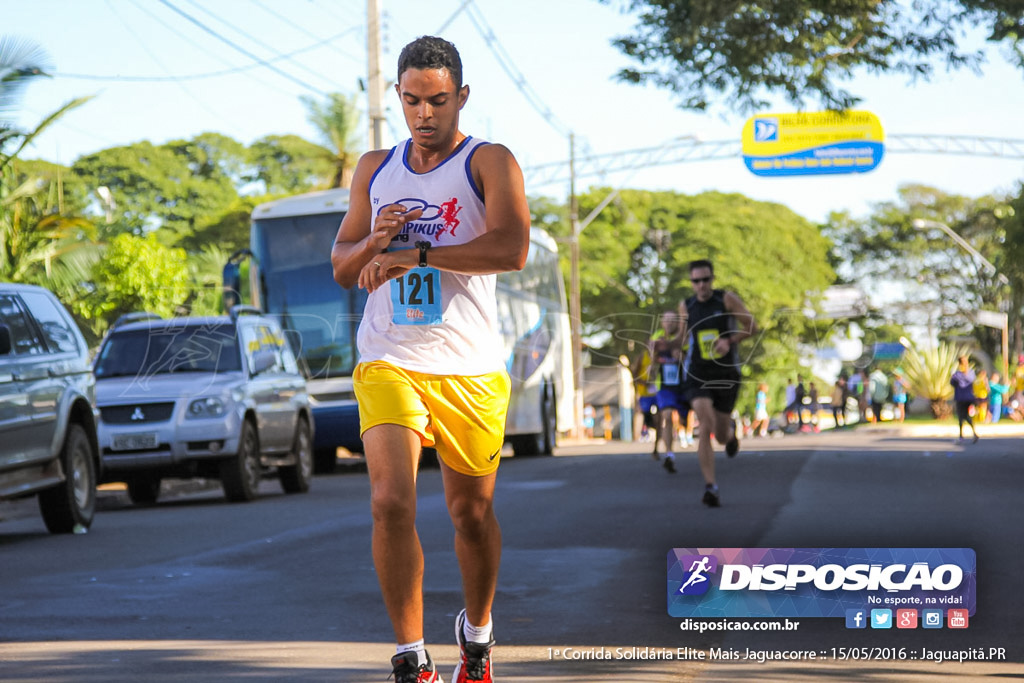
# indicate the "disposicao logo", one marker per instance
pixel 818 582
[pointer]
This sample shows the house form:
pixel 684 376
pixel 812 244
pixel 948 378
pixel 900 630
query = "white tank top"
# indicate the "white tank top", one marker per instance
pixel 433 321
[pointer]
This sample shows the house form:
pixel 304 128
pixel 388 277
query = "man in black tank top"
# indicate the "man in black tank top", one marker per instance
pixel 716 322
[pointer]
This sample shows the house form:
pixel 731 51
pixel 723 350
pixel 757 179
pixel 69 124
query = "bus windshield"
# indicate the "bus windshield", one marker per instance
pixel 296 283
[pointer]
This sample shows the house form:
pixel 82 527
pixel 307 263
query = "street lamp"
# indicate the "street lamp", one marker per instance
pixel 987 318
pixel 923 224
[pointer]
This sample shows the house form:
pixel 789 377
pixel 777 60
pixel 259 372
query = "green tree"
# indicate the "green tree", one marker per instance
pixel 288 164
pixel 227 232
pixel 173 188
pixel 636 253
pixel 1012 265
pixel 135 274
pixel 940 284
pixel 40 241
pixel 21 61
pixel 742 51
pixel 337 121
pixel 206 276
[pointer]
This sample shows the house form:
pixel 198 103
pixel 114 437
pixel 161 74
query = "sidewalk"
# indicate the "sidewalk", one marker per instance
pixel 947 428
pixel 943 429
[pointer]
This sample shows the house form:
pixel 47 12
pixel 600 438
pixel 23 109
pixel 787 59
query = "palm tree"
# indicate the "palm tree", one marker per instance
pixel 37 243
pixel 337 121
pixel 928 374
pixel 20 62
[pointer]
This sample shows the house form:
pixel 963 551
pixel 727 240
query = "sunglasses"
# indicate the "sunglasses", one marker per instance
pixel 698 280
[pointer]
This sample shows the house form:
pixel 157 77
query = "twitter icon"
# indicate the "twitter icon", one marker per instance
pixel 881 618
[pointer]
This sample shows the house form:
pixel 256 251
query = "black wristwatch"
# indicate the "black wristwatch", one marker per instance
pixel 423 247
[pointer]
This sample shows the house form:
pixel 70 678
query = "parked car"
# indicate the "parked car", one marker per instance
pixel 217 397
pixel 48 445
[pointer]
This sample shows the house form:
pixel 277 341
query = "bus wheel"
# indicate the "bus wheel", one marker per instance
pixel 543 442
pixel 549 419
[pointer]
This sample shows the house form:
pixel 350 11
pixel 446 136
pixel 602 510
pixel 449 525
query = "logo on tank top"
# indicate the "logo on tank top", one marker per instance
pixel 435 221
pixel 449 210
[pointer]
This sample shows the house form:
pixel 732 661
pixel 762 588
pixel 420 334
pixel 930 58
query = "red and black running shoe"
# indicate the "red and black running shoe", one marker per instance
pixel 474 658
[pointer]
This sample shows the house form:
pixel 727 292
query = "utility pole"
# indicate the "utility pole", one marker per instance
pixel 575 313
pixel 375 79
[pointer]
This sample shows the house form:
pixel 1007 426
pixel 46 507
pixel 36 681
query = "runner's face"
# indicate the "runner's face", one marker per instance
pixel 703 282
pixel 431 105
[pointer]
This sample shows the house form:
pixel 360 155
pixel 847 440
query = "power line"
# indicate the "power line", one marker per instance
pixel 450 19
pixel 302 29
pixel 506 63
pixel 239 48
pixel 252 38
pixel 208 74
pixel 141 6
pixel 157 61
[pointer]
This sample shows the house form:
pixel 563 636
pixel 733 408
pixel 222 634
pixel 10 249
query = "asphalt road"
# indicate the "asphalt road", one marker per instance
pixel 283 589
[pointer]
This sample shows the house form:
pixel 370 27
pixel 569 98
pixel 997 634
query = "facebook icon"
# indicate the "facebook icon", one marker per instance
pixel 856 618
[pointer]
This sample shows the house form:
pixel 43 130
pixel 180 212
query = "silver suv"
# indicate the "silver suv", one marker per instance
pixel 219 397
pixel 47 409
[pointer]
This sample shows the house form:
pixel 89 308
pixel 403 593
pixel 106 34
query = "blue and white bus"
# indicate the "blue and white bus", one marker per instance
pixel 290 276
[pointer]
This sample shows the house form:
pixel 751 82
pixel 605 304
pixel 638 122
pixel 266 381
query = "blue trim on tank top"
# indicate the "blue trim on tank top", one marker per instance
pixel 381 167
pixel 469 171
pixel 455 152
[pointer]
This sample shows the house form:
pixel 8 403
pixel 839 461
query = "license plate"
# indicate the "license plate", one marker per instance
pixel 133 442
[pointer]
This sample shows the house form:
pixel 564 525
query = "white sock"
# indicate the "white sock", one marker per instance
pixel 670 455
pixel 477 634
pixel 417 647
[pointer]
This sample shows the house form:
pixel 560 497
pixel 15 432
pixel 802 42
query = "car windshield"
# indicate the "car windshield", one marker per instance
pixel 171 349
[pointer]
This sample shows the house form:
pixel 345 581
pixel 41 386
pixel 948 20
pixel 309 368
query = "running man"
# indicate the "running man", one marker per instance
pixel 672 406
pixel 963 395
pixel 430 371
pixel 716 322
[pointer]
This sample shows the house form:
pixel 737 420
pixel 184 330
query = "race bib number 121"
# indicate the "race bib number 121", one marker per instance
pixel 416 297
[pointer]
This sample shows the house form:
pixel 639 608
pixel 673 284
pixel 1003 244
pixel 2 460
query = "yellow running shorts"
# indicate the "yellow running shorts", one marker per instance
pixel 462 417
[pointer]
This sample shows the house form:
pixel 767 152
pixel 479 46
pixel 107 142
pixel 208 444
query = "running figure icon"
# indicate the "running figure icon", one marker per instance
pixel 696 570
pixel 449 210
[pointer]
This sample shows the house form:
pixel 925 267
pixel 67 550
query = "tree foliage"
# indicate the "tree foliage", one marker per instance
pixel 742 51
pixel 635 259
pixel 939 284
pixel 135 274
pixel 928 373
pixel 21 61
pixel 173 188
pixel 288 164
pixel 337 120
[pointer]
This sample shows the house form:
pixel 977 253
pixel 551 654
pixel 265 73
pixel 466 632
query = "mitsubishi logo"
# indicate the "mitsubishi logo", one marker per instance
pixel 138 414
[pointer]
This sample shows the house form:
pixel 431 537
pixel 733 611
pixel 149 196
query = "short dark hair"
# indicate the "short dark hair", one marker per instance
pixel 431 52
pixel 702 263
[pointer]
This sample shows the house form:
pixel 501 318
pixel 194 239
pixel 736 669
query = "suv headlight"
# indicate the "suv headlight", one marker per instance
pixel 206 407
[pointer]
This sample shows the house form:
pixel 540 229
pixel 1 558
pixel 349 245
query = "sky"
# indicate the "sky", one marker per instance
pixel 563 68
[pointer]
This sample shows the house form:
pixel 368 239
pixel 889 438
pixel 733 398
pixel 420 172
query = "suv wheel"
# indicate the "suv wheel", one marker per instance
pixel 240 473
pixel 325 460
pixel 143 490
pixel 73 502
pixel 296 478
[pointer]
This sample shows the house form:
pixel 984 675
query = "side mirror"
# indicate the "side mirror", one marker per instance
pixel 5 340
pixel 294 338
pixel 263 360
